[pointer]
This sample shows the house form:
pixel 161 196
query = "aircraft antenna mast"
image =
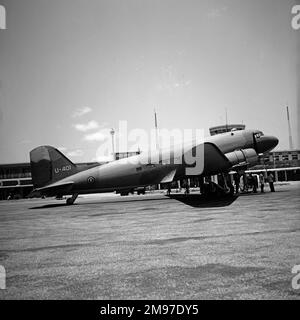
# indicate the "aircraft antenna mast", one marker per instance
pixel 156 130
pixel 226 119
pixel 290 130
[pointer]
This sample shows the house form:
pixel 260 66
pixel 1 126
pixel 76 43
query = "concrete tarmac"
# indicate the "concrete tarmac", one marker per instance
pixel 152 247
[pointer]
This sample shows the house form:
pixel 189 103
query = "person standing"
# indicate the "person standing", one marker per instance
pixel 271 182
pixel 254 183
pixel 262 182
pixel 236 178
pixel 169 189
pixel 251 182
pixel 186 186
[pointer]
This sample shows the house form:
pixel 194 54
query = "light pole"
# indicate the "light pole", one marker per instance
pixel 112 132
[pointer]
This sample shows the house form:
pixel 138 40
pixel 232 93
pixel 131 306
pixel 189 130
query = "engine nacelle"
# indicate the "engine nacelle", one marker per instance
pixel 242 157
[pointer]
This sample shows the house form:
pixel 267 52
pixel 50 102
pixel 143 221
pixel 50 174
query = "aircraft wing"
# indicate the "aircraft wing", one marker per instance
pixel 169 177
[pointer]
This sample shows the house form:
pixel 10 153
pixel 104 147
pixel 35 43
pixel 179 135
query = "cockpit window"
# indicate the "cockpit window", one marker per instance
pixel 258 134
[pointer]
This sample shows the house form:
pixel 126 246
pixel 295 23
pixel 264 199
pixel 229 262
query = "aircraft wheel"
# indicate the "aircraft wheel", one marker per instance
pixel 229 191
pixel 69 201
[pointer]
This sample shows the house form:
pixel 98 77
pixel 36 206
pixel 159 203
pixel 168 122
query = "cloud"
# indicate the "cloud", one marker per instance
pixel 75 153
pixel 182 84
pixel 216 12
pixel 171 79
pixel 169 86
pixel 26 141
pixel 103 159
pixel 62 149
pixel 104 125
pixel 96 136
pixel 81 111
pixel 91 125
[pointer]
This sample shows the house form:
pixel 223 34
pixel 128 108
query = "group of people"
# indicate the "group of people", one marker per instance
pixel 245 182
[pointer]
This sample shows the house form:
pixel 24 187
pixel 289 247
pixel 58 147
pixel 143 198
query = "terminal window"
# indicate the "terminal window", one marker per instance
pixel 285 157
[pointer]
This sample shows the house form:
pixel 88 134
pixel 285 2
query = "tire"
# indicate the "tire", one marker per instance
pixel 69 202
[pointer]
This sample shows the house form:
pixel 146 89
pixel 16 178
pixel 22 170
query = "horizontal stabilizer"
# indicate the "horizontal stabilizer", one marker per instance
pixel 56 188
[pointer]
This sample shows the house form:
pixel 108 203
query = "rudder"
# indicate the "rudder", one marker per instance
pixel 49 165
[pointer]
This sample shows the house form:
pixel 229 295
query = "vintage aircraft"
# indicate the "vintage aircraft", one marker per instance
pixel 55 175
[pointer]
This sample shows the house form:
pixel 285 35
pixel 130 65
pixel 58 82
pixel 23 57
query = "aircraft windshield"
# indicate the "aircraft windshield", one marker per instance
pixel 258 134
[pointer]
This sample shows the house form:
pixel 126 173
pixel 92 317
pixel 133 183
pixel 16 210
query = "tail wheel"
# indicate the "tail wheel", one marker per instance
pixel 71 200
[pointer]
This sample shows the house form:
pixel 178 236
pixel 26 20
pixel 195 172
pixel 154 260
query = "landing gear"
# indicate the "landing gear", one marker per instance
pixel 228 187
pixel 211 189
pixel 187 186
pixel 141 191
pixel 71 200
pixel 201 184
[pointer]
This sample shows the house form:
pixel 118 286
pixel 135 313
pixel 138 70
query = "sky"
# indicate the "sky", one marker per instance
pixel 71 68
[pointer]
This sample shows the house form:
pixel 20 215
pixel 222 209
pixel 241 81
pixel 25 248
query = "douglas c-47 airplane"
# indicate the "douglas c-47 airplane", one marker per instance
pixel 55 175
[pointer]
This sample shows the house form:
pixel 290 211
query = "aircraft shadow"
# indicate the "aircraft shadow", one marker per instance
pixel 52 205
pixel 193 200
pixel 199 201
pixel 250 193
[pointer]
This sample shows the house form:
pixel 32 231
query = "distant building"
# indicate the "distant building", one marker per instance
pixel 280 159
pixel 285 164
pixel 15 180
pixel 122 155
pixel 225 128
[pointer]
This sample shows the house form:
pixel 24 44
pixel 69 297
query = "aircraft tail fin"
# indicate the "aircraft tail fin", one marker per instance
pixel 49 165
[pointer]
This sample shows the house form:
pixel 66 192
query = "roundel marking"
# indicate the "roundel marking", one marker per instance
pixel 91 179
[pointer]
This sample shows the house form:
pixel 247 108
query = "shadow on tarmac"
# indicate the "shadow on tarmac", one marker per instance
pixel 199 201
pixel 52 205
pixel 193 200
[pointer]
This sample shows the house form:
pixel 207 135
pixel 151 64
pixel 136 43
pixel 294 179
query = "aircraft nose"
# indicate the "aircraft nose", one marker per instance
pixel 266 143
